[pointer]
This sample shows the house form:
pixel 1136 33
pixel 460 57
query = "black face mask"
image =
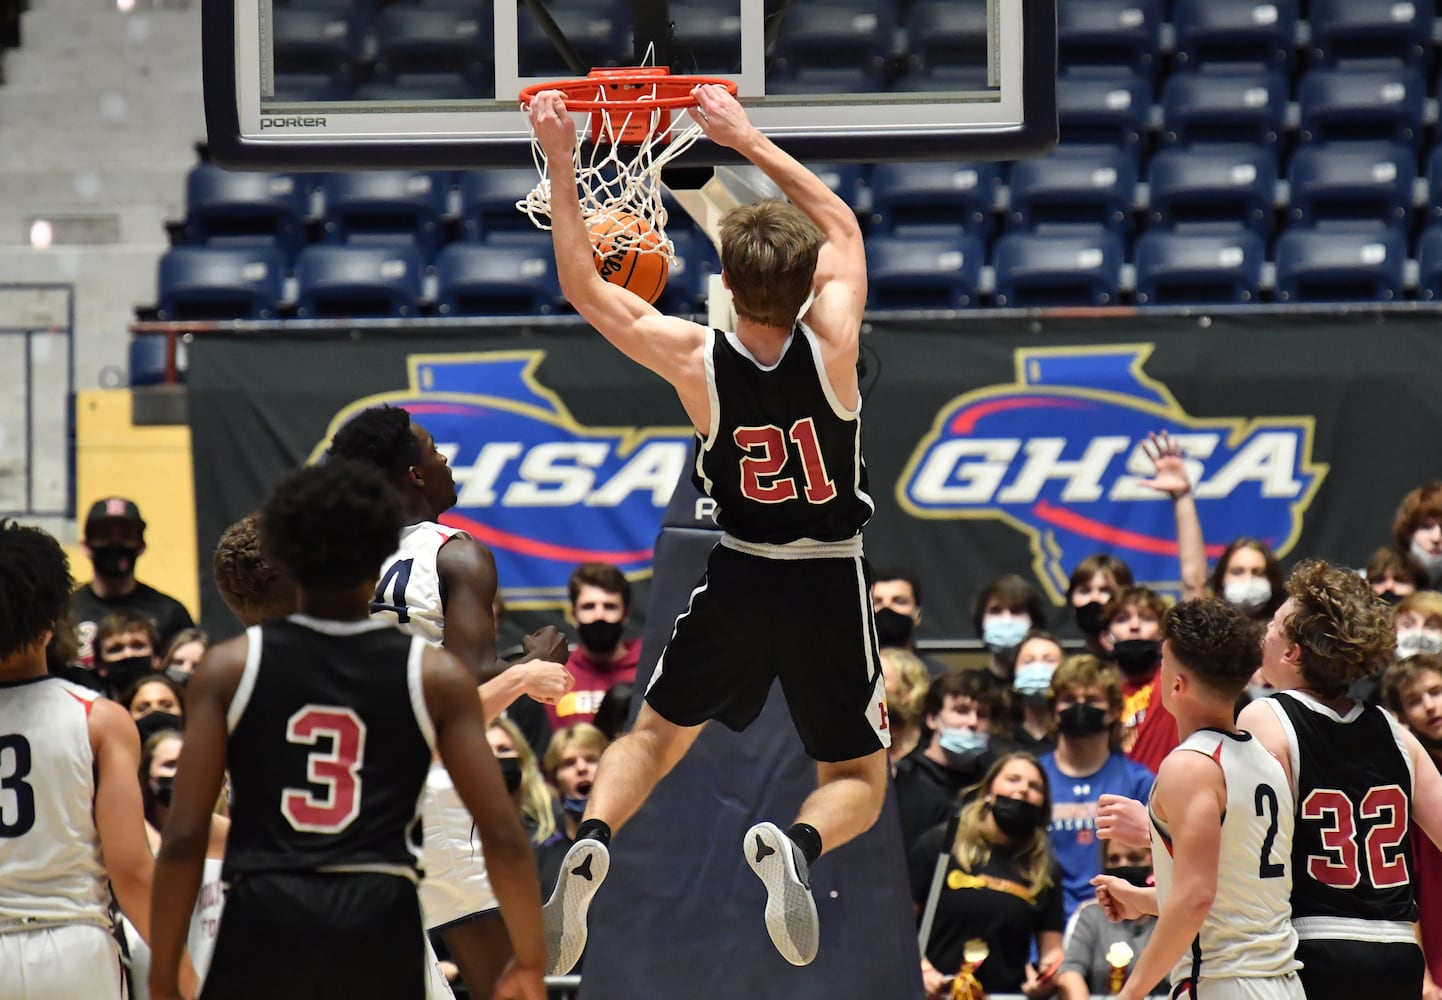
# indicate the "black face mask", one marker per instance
pixel 120 674
pixel 1016 817
pixel 1083 719
pixel 510 772
pixel 893 629
pixel 114 560
pixel 157 722
pixel 1138 875
pixel 1089 617
pixel 163 788
pixel 600 636
pixel 1390 598
pixel 1138 657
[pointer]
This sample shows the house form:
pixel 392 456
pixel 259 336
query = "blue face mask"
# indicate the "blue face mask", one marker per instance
pixel 575 805
pixel 1034 678
pixel 1004 634
pixel 962 746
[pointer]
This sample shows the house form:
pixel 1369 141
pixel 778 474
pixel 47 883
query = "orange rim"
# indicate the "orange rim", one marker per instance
pixel 665 92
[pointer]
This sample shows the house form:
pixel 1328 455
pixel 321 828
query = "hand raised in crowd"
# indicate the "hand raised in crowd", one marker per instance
pixel 546 643
pixel 1170 475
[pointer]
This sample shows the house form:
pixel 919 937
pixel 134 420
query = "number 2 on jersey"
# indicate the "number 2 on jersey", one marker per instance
pixel 17 798
pixel 766 455
pixel 337 770
pixel 1267 805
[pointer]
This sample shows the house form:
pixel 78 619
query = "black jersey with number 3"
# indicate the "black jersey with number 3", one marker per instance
pixel 783 460
pixel 1351 854
pixel 330 743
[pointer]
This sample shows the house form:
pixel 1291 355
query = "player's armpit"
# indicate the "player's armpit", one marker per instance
pixel 120 811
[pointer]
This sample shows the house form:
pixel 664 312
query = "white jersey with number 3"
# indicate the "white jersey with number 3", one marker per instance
pixel 409 592
pixel 1248 931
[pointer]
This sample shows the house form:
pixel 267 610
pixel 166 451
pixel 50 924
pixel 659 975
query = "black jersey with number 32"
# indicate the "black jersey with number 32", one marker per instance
pixel 783 461
pixel 1351 853
pixel 330 743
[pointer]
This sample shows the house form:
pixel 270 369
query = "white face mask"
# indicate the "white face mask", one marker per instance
pixel 1417 640
pixel 1248 593
pixel 1431 563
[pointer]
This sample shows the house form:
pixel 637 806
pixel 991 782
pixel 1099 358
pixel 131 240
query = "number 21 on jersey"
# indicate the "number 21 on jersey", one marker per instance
pixel 767 452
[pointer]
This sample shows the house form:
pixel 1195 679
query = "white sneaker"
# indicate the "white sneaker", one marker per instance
pixel 790 911
pixel 582 872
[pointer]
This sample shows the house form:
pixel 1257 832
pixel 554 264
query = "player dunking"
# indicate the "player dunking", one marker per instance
pixel 328 722
pixel 776 407
pixel 1221 823
pixel 1358 779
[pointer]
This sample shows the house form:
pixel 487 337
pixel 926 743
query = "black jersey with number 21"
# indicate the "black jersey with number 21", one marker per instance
pixel 783 461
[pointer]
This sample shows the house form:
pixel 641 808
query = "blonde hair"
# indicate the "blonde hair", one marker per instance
pixel 768 254
pixel 583 734
pixel 536 795
pixel 913 680
pixel 1076 673
pixel 972 849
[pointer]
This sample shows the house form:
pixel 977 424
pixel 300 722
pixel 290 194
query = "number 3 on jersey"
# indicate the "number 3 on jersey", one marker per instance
pixel 767 452
pixel 337 769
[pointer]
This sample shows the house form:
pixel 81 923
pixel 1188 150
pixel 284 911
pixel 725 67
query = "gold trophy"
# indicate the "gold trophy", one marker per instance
pixel 965 985
pixel 1119 957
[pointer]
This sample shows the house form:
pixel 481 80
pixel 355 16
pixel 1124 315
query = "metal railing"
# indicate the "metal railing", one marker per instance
pixel 37 399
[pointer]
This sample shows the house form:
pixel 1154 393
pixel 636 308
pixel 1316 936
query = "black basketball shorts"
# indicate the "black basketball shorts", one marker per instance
pixel 319 936
pixel 754 619
pixel 1377 970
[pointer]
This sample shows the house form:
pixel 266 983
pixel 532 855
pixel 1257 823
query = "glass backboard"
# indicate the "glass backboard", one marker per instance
pixel 344 84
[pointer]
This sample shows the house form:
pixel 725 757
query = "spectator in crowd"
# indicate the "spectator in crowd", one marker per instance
pixel 896 605
pixel 1092 584
pixel 1418 622
pixel 1395 574
pixel 951 755
pixel 114 539
pixel 126 649
pixel 183 654
pixel 1417 529
pixel 254 589
pixel 1248 576
pixel 1027 725
pixel 600 608
pixel 1087 763
pixel 907 680
pixel 533 798
pixel 999 895
pixel 156 703
pixel 1134 639
pixel 615 709
pixel 1003 613
pixel 1100 954
pixel 1412 691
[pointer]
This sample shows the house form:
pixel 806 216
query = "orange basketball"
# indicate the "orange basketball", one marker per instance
pixel 621 242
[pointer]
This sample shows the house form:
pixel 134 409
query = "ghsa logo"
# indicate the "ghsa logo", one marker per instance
pixel 542 491
pixel 1058 456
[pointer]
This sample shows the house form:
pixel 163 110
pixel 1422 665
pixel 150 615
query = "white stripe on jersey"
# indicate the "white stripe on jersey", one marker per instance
pixel 51 868
pixel 411 582
pixel 661 660
pixel 841 411
pixel 418 694
pixel 248 677
pixel 1248 931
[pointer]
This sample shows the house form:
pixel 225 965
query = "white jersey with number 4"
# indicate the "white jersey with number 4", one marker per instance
pixel 50 861
pixel 409 592
pixel 1248 931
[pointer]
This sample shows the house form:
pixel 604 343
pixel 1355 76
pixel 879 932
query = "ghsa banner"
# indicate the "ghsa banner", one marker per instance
pixel 543 491
pixel 1057 455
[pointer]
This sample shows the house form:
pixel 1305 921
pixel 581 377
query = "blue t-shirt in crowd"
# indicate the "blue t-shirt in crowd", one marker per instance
pixel 1074 818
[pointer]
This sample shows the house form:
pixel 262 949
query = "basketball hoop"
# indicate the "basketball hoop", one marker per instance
pixel 633 136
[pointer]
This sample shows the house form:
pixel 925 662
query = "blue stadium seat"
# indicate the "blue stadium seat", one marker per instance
pixel 434 48
pixel 358 282
pixel 933 199
pixel 949 38
pixel 244 208
pixel 857 36
pixel 1434 184
pixel 1371 30
pixel 846 180
pixel 1342 105
pixel 1212 190
pixel 147 359
pixel 1326 266
pixel 597 34
pixel 219 283
pixel 1246 108
pixel 1108 34
pixel 904 273
pixel 1235 34
pixel 1070 270
pixel 1071 188
pixel 696 261
pixel 477 279
pixel 708 39
pixel 488 202
pixel 386 206
pixel 1106 110
pixel 316 51
pixel 1192 269
pixel 1341 184
pixel 1429 265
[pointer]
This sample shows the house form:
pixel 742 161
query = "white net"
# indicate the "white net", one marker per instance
pixel 617 178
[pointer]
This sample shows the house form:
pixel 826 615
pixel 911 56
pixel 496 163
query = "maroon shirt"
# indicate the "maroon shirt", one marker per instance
pixel 593 680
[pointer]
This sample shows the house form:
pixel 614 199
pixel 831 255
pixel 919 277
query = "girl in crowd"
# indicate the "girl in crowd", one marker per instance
pixel 156 704
pixel 183 654
pixel 533 799
pixel 1093 583
pixel 1417 529
pixel 1027 724
pixel 1003 613
pixel 906 680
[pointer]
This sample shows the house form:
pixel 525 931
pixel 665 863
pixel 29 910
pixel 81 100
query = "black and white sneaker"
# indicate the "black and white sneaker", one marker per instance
pixel 790 911
pixel 582 872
